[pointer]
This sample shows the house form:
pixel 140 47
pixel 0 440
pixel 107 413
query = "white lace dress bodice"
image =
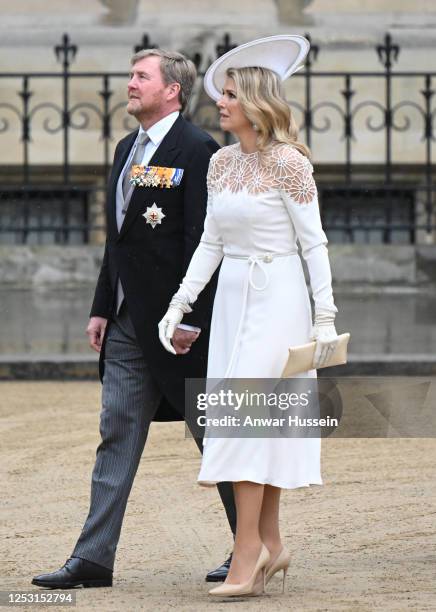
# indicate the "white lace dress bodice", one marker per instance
pixel 261 203
pixel 260 206
pixel 280 167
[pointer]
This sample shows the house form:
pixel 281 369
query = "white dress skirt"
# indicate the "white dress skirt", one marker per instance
pixel 259 205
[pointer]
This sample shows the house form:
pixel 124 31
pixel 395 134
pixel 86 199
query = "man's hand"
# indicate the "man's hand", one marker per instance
pixel 183 339
pixel 95 332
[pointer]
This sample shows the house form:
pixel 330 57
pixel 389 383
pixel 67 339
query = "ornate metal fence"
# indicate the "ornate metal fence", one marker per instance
pixel 376 200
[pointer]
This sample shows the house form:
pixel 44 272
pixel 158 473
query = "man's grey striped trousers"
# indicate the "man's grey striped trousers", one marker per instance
pixel 130 400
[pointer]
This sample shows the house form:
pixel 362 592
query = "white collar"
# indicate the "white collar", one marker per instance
pixel 160 129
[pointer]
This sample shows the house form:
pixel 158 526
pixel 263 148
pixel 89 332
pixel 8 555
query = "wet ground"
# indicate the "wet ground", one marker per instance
pixel 41 323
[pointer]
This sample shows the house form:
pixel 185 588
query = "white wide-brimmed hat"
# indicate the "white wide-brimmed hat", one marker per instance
pixel 284 54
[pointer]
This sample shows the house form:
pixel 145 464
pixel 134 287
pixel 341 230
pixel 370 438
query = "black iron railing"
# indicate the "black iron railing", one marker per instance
pixel 387 199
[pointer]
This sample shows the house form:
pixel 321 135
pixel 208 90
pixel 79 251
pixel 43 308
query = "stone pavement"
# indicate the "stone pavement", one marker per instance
pixel 365 541
pixel 393 332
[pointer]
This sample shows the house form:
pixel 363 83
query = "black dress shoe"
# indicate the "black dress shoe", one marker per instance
pixel 220 573
pixel 74 573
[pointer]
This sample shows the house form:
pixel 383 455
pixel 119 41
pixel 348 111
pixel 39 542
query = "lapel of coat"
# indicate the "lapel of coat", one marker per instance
pixel 117 167
pixel 164 155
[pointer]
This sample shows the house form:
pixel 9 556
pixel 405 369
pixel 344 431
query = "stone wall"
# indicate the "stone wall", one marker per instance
pixel 106 30
pixel 381 266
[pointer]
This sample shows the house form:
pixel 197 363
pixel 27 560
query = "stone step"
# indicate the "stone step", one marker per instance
pixel 83 367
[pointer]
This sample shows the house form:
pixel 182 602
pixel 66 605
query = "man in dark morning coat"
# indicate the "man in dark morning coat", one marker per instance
pixel 152 232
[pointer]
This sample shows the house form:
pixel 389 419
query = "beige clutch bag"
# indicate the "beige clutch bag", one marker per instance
pixel 301 357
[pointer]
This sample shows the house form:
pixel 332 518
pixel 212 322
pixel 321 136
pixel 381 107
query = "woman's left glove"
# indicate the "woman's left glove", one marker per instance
pixel 171 320
pixel 324 332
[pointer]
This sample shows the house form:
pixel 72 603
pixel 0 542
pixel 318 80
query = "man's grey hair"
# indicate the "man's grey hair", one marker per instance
pixel 175 68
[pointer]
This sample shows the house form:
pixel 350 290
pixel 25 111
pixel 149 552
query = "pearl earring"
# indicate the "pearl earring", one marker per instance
pixel 255 128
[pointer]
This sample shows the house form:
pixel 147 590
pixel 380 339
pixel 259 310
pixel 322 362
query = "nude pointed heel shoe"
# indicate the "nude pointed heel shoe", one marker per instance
pixel 254 586
pixel 281 563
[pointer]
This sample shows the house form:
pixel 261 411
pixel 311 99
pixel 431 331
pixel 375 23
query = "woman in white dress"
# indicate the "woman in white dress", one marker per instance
pixel 262 198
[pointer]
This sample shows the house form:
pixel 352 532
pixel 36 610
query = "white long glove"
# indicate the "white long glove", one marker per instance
pixel 324 332
pixel 168 325
pixel 204 262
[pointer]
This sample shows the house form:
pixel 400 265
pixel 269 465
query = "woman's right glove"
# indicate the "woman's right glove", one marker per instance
pixel 172 318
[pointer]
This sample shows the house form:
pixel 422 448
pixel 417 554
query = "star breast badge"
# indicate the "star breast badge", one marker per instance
pixel 153 215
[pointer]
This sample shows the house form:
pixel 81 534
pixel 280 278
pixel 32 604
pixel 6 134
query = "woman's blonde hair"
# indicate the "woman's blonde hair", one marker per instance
pixel 260 94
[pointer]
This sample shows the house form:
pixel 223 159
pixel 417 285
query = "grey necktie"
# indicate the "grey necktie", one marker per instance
pixel 127 193
pixel 136 159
